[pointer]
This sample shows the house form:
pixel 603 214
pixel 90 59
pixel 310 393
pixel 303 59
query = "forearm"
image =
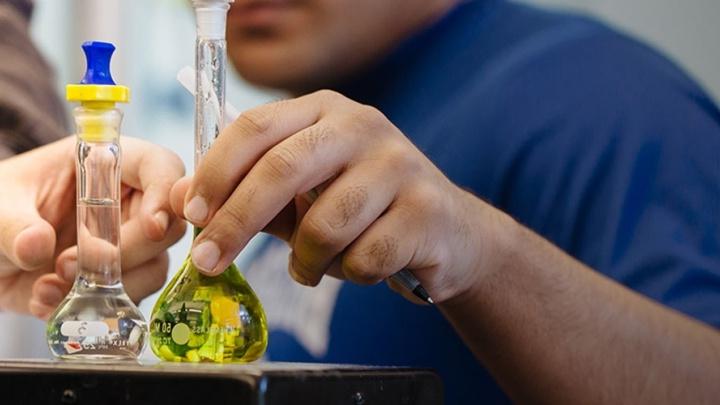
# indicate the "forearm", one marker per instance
pixel 552 330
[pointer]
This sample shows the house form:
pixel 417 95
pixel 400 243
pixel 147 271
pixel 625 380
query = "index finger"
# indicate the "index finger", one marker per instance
pixel 242 144
pixel 153 170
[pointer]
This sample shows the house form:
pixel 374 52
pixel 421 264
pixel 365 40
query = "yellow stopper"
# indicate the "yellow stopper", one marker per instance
pixel 97 92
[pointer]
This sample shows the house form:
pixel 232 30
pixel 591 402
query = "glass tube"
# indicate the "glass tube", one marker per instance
pixel 98 200
pixel 210 59
pixel 97 320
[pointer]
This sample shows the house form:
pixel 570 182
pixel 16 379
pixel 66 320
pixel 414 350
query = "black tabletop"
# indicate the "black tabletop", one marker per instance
pixel 61 382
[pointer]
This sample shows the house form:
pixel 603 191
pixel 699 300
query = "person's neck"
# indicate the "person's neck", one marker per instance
pixel 414 48
pixel 432 12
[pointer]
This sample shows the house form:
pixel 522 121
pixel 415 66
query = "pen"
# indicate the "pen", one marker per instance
pixel 186 77
pixel 405 278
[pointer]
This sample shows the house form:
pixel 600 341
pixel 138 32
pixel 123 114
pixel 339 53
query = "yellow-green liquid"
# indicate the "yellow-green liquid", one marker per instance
pixel 208 319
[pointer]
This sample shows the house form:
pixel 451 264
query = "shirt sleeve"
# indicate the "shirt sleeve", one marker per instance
pixel 622 170
pixel 31 113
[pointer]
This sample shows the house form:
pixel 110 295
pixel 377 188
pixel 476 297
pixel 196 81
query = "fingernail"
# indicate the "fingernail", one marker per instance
pixel 205 256
pixel 196 210
pixel 162 219
pixel 69 269
pixel 49 294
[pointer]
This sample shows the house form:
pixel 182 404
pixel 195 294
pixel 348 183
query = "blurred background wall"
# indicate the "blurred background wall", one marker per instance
pixel 156 38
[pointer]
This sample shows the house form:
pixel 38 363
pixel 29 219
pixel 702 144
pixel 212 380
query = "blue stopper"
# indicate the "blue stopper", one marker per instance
pixel 98 56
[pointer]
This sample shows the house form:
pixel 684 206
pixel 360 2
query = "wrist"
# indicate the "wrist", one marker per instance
pixel 494 240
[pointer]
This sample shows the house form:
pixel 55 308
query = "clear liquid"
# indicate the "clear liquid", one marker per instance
pixel 99 240
pixel 97 323
pixel 97 320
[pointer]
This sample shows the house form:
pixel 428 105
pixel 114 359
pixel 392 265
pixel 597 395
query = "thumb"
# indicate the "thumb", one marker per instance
pixel 26 240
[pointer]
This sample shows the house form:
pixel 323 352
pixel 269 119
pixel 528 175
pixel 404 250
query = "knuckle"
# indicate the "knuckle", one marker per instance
pixel 368 119
pixel 350 204
pixel 313 137
pixel 370 114
pixel 319 234
pixel 399 158
pixel 428 197
pixel 328 95
pixel 227 230
pixel 424 200
pixel 368 265
pixel 383 252
pixel 232 217
pixel 281 162
pixel 358 269
pixel 255 121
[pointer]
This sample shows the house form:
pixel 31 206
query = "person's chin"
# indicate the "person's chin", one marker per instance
pixel 271 73
pixel 289 63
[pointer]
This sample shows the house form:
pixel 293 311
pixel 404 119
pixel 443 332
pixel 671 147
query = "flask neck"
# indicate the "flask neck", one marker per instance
pixel 97 121
pixel 210 66
pixel 98 159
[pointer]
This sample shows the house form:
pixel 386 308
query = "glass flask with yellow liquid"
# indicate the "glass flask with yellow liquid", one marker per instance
pixel 208 319
pixel 198 318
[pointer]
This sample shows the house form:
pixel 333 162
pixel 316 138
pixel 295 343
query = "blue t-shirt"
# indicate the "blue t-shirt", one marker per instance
pixel 588 137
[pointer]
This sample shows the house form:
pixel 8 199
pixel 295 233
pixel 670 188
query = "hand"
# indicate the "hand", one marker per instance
pixel 38 261
pixel 383 206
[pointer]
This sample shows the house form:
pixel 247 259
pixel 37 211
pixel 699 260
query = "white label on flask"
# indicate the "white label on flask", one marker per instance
pixel 84 328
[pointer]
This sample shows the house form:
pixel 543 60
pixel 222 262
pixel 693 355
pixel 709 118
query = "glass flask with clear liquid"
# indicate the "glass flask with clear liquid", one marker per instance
pixel 198 318
pixel 97 320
